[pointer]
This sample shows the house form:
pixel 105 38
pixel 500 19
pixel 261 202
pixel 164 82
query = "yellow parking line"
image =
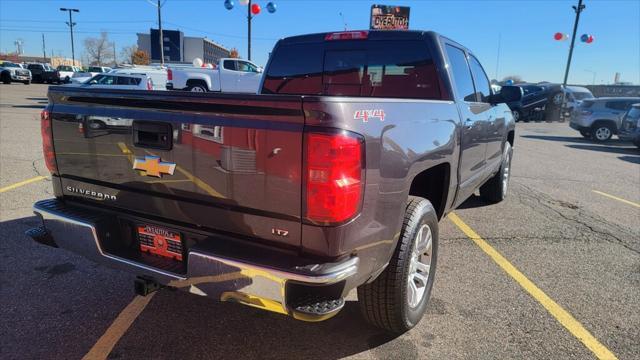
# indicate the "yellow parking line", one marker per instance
pixel 118 328
pixel 617 198
pixel 22 183
pixel 561 315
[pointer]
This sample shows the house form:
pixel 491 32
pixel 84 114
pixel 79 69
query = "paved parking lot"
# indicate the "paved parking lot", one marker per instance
pixel 553 272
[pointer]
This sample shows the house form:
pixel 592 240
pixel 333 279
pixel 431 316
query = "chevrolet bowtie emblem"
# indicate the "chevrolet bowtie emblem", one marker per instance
pixel 153 166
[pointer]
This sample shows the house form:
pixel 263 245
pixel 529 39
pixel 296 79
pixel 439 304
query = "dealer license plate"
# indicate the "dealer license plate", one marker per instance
pixel 160 241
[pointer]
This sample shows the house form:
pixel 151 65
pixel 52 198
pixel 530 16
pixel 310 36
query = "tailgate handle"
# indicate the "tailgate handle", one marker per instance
pixel 152 135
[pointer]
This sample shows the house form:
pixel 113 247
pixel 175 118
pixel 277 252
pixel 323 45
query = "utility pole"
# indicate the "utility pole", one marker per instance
pixel 578 9
pixel 71 25
pixel 44 52
pixel 498 59
pixel 115 62
pixel 249 17
pixel 161 37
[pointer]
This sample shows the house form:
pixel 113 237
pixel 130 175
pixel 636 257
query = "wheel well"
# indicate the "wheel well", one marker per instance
pixel 611 124
pixel 510 137
pixel 433 185
pixel 192 82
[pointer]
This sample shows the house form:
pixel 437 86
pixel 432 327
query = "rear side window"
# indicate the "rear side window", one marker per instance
pixel 483 87
pixel 229 65
pixel 396 69
pixel 461 74
pixel 617 105
pixel 125 80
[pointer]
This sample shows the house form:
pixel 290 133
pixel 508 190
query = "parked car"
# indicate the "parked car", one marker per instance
pixel 332 178
pixel 13 72
pixel 630 126
pixel 229 75
pixel 574 95
pixel 532 103
pixel 157 74
pixel 44 73
pixel 95 70
pixel 119 81
pixel 66 72
pixel 600 118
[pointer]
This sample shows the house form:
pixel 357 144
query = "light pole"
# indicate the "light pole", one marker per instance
pixel 71 25
pixel 578 9
pixel 252 10
pixel 159 6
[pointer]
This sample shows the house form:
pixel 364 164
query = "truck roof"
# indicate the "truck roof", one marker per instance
pixel 373 35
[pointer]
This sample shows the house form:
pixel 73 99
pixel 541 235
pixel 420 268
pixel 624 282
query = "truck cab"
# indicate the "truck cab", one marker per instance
pixel 227 75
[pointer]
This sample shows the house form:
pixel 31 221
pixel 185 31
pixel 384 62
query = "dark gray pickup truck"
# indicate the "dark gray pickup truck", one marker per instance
pixel 332 178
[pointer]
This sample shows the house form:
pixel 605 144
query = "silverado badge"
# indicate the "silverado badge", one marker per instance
pixel 153 166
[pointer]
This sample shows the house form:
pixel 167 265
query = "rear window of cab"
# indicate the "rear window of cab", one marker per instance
pixel 391 69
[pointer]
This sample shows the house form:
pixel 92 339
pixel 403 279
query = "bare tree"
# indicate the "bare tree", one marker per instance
pixel 127 53
pixel 515 78
pixel 99 50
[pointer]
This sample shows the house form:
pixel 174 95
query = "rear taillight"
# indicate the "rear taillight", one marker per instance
pixel 47 142
pixel 169 74
pixel 333 177
pixel 347 35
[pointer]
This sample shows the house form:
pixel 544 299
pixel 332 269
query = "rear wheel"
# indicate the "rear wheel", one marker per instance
pixel 602 132
pixel 397 299
pixel 197 86
pixel 495 189
pixel 6 78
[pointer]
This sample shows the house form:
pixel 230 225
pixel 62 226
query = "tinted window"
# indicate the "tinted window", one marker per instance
pixel 104 80
pixel 461 74
pixel 229 64
pixel 125 80
pixel 634 113
pixel 400 69
pixel 35 67
pixel 582 95
pixel 95 69
pixel 483 87
pixel 618 105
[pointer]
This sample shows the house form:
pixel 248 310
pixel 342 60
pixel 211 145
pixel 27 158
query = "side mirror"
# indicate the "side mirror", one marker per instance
pixel 507 94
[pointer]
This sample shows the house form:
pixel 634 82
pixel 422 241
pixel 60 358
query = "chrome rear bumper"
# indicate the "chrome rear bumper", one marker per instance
pixel 207 274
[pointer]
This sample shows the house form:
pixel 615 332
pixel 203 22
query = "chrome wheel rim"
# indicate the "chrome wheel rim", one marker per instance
pixel 603 133
pixel 516 116
pixel 505 173
pixel 557 99
pixel 419 266
pixel 197 89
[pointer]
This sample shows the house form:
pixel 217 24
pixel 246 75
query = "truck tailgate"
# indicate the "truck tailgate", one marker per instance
pixel 225 162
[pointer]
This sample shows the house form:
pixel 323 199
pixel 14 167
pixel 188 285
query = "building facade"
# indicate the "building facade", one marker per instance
pixel 179 48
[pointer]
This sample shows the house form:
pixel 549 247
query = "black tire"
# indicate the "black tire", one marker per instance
pixel 602 131
pixel 384 302
pixel 27 82
pixel 37 79
pixel 495 189
pixel 197 86
pixel 585 133
pixel 6 78
pixel 517 115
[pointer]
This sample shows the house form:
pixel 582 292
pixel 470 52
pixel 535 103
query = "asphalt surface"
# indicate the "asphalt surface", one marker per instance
pixel 578 246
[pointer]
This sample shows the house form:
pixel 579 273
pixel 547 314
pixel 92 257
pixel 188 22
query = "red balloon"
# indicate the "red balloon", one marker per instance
pixel 558 36
pixel 255 9
pixel 590 39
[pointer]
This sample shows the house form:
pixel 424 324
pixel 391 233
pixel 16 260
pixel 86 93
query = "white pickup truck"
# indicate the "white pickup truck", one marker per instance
pixel 229 75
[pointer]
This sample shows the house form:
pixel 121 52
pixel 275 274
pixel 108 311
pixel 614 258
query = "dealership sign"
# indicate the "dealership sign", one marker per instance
pixel 384 17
